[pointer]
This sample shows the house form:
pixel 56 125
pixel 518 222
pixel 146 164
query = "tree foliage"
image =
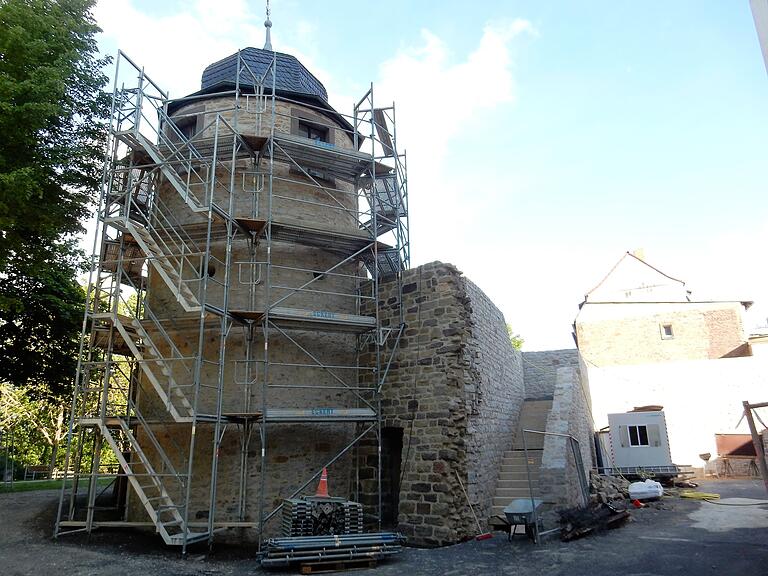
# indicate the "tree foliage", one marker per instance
pixel 516 340
pixel 52 121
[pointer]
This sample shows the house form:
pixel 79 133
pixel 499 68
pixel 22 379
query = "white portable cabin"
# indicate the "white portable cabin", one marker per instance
pixel 639 440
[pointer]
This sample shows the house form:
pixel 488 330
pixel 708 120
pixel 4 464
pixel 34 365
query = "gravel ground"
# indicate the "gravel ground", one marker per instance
pixel 673 536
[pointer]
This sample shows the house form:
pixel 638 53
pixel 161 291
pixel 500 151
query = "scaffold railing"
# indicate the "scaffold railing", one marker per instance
pixel 177 203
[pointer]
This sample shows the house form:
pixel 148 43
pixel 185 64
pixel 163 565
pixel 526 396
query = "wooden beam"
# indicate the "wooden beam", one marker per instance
pixel 757 442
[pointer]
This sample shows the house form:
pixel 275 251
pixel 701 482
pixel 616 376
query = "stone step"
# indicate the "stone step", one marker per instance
pixel 510 493
pixel 512 465
pixel 521 467
pixel 503 501
pixel 509 471
pixel 520 461
pixel 516 482
pixel 499 510
pixel 521 454
pixel 517 478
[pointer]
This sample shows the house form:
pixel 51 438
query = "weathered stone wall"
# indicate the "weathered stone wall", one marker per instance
pixel 541 370
pixel 424 395
pixel 612 334
pixel 559 479
pixel 294 452
pixel 494 395
pixel 455 388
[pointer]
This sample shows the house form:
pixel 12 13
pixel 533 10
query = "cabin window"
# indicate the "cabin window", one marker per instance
pixel 638 436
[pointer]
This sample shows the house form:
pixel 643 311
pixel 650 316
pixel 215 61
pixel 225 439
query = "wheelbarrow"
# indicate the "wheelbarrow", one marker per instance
pixel 520 512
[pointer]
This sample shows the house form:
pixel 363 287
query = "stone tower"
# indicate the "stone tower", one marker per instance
pixel 245 229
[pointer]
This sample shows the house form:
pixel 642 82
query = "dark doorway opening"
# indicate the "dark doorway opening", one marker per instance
pixel 391 458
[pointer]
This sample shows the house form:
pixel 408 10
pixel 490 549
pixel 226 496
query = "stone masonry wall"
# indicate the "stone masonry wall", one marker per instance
pixel 444 391
pixel 294 452
pixel 541 370
pixel 570 414
pixel 494 395
pixel 612 334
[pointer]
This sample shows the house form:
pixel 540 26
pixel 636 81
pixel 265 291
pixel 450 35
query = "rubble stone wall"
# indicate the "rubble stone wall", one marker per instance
pixel 455 387
pixel 494 395
pixel 570 414
pixel 541 370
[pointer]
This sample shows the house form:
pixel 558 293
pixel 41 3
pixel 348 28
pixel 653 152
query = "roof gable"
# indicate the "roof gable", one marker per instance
pixel 634 280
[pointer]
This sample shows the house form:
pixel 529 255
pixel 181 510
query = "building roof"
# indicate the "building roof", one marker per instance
pixel 292 76
pixel 632 279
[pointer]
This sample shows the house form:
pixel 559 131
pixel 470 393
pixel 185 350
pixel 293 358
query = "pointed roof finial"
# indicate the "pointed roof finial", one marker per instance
pixel 268 26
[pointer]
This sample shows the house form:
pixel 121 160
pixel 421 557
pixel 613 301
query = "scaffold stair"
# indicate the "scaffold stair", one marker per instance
pixel 183 184
pixel 167 266
pixel 147 355
pixel 388 262
pixel 149 485
pixel 386 200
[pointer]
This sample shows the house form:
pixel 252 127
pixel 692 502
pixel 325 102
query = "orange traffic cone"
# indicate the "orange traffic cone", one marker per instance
pixel 322 486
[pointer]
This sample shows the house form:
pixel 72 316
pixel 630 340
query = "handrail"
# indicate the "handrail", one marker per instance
pixel 580 473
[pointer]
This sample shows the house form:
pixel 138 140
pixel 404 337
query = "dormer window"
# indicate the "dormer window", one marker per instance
pixel 313 131
pixel 185 128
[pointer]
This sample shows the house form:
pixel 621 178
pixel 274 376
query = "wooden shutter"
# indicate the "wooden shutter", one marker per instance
pixel 654 436
pixel 623 436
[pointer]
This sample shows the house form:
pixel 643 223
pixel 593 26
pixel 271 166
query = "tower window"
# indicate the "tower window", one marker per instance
pixel 186 126
pixel 313 131
pixel 666 331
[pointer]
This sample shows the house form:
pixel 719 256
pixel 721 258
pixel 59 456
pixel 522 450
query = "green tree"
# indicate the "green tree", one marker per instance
pixel 53 114
pixel 516 340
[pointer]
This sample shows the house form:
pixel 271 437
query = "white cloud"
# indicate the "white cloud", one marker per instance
pixel 175 48
pixel 438 99
pixel 439 96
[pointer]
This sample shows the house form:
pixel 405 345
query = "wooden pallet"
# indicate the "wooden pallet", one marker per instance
pixel 336 566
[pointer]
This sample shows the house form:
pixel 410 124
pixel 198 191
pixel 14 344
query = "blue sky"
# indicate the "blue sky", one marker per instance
pixel 544 139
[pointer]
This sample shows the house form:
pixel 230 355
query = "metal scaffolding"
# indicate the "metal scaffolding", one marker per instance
pixel 178 206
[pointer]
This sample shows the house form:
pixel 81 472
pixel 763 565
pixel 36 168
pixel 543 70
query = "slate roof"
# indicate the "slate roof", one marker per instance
pixel 292 77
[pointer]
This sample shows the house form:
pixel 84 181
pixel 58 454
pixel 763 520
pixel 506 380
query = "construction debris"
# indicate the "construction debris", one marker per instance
pixel 646 490
pixel 578 522
pixel 699 495
pixel 607 489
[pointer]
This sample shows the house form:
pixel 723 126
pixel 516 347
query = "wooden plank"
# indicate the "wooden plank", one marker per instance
pixel 385 137
pixel 336 566
pixel 758 443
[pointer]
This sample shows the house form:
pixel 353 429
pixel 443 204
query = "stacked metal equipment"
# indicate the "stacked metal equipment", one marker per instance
pixel 317 516
pixel 345 548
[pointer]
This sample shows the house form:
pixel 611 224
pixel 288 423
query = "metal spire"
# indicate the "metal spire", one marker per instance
pixel 268 26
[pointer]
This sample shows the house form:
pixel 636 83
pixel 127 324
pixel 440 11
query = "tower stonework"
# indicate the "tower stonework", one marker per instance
pixel 244 232
pixel 295 450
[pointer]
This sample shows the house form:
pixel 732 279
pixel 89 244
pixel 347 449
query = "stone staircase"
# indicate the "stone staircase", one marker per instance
pixel 513 478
